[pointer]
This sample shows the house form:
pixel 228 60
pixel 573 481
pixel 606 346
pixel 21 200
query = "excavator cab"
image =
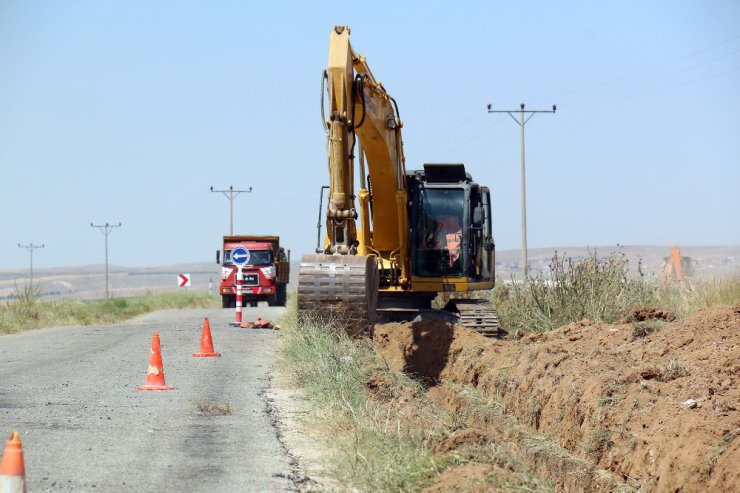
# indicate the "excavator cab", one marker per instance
pixel 450 224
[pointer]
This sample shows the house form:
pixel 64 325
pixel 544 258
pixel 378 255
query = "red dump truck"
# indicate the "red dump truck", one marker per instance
pixel 265 276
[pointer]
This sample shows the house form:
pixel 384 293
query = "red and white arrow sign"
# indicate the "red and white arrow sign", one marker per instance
pixel 183 280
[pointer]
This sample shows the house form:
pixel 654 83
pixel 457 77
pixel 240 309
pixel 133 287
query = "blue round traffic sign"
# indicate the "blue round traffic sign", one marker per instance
pixel 240 256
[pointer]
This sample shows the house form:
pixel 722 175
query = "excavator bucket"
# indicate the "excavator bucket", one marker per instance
pixel 340 289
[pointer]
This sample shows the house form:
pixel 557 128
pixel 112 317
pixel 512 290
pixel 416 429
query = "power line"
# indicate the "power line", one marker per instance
pixel 31 247
pixel 636 84
pixel 230 194
pixel 522 122
pixel 453 129
pixel 654 90
pixel 473 137
pixel 591 89
pixel 468 156
pixel 106 230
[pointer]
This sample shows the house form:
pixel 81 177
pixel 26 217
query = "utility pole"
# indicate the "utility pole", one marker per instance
pixel 521 122
pixel 31 247
pixel 106 229
pixel 230 194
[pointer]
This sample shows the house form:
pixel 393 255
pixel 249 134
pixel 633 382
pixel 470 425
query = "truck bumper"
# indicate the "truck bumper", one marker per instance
pixel 250 291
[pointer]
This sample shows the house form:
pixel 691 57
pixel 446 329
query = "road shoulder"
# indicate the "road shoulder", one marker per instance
pixel 290 411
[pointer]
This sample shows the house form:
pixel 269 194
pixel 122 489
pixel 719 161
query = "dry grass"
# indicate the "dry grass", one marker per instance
pixel 696 295
pixel 594 288
pixel 672 370
pixel 712 457
pixel 539 452
pixel 646 327
pixel 600 289
pixel 611 396
pixel 212 408
pixel 374 445
pixel 28 312
pixel 598 443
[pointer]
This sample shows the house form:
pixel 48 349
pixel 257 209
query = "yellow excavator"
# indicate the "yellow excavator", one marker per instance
pixel 420 232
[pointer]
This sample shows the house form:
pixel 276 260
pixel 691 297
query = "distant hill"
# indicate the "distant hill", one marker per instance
pixel 88 281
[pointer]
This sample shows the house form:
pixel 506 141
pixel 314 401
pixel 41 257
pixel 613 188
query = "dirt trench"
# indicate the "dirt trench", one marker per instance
pixel 659 410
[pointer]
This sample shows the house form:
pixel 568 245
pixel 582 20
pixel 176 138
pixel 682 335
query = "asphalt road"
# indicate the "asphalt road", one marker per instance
pixel 70 392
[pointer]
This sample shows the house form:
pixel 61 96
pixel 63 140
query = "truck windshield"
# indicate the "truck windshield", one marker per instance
pixel 257 258
pixel 439 233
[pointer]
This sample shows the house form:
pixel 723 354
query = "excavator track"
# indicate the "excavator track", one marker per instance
pixel 477 315
pixel 340 289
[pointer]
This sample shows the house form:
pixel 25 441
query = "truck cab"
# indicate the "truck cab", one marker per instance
pixel 264 277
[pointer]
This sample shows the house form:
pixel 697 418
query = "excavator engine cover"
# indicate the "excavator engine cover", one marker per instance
pixel 340 289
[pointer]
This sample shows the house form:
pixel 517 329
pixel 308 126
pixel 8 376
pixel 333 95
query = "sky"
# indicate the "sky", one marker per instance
pixel 129 112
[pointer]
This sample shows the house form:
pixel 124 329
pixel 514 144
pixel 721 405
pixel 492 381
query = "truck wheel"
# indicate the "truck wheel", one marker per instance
pixel 272 300
pixel 228 301
pixel 282 295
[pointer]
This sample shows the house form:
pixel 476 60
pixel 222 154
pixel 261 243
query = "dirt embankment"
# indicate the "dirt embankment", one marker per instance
pixel 659 410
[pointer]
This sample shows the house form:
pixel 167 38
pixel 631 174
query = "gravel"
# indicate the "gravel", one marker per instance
pixel 70 392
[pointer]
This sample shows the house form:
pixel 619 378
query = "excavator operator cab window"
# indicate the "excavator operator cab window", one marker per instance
pixel 439 232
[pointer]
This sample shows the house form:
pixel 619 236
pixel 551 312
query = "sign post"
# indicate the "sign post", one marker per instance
pixel 238 314
pixel 239 257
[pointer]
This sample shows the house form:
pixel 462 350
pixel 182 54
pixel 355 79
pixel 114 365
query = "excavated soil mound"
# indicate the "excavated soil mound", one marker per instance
pixel 661 412
pixel 649 313
pixel 417 348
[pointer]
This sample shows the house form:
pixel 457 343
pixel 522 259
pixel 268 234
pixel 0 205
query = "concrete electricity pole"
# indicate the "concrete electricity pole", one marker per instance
pixel 230 194
pixel 521 122
pixel 31 247
pixel 106 229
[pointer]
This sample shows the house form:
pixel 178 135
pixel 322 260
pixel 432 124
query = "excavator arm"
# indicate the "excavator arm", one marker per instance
pixel 341 213
pixel 364 123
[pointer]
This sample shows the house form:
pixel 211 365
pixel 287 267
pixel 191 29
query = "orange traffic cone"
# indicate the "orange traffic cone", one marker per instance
pixel 206 343
pixel 155 371
pixel 12 470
